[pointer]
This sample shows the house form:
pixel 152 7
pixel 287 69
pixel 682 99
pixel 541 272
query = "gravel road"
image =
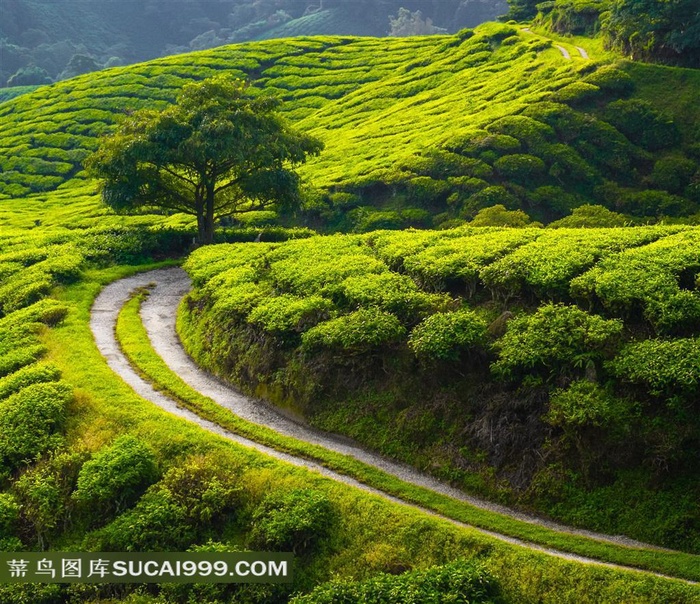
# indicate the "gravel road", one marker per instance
pixel 158 315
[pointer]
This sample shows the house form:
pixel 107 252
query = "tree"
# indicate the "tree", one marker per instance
pixel 220 150
pixel 407 23
pixel 521 10
pixel 667 32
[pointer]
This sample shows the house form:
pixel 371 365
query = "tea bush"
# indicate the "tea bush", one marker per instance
pixel 555 340
pixel 115 478
pixel 292 521
pixel 445 336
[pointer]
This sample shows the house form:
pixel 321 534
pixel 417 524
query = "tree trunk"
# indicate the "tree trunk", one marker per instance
pixel 208 233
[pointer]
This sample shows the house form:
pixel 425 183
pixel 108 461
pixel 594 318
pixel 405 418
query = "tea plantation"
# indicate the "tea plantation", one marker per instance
pixel 551 368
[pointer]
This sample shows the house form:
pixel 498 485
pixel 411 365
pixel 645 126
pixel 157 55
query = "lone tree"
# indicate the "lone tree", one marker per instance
pixel 218 151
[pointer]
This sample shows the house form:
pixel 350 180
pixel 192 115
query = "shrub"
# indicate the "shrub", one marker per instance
pixel 498 216
pixel 490 196
pixel 584 403
pixel 27 375
pixel 9 514
pixel 445 335
pixel 426 191
pixel 290 314
pixel 19 357
pixel 156 523
pixel 555 339
pixel 357 332
pixel 531 133
pixel 520 168
pixel 115 477
pixel 567 166
pixel 673 173
pixel 576 92
pixel 611 80
pixel 676 314
pixel 397 294
pixel 190 500
pixel 655 203
pixel 292 521
pixel 44 495
pixel 643 124
pixel 590 216
pixel 31 422
pixel 457 582
pixel 662 366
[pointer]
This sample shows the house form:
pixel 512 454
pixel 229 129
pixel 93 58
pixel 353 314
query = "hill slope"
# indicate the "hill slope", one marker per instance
pixel 418 131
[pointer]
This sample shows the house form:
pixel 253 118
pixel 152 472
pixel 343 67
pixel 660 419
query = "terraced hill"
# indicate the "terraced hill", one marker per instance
pixel 418 131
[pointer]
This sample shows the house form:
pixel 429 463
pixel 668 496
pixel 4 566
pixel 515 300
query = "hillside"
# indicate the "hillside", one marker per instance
pixel 518 364
pixel 419 131
pixel 47 40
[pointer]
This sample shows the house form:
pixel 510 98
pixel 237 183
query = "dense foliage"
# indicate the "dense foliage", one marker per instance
pixel 667 32
pixel 511 350
pixel 571 133
pixel 216 153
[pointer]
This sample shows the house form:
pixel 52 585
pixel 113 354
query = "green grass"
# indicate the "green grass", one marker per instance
pixel 134 341
pixel 374 535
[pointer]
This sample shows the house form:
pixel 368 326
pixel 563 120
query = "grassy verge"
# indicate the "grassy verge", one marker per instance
pixel 371 535
pixel 135 343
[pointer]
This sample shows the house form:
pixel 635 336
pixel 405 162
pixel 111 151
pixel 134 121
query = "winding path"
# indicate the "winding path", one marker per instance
pixel 159 313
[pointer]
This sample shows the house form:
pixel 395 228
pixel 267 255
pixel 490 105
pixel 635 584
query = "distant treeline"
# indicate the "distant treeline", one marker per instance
pixel 46 40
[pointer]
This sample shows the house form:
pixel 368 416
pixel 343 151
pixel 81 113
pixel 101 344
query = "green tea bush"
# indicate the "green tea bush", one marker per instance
pixel 191 501
pixel 488 197
pixel 26 376
pixel 677 314
pixel 611 80
pixel 155 523
pixel 463 582
pixel 529 132
pixel 31 423
pixel 397 294
pixel 576 93
pixel 18 357
pixel 498 216
pixel 665 367
pixel 590 216
pixel 634 279
pixel 355 333
pixel 290 314
pixel 292 521
pixel 501 144
pixel 584 403
pixel 556 339
pixel 115 478
pixel 9 516
pixel 642 124
pixel 673 174
pixel 546 266
pixel 520 168
pixel 444 336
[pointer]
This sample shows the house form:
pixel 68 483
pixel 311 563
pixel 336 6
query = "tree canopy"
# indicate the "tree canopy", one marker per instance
pixel 650 30
pixel 220 150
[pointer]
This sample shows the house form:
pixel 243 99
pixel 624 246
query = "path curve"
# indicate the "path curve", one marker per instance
pixel 159 312
pixel 564 53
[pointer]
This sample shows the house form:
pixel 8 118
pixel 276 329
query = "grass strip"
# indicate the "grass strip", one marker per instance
pixel 134 341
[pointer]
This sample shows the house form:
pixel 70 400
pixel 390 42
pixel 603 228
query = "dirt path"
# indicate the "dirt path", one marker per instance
pixel 582 52
pixel 563 51
pixel 159 313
